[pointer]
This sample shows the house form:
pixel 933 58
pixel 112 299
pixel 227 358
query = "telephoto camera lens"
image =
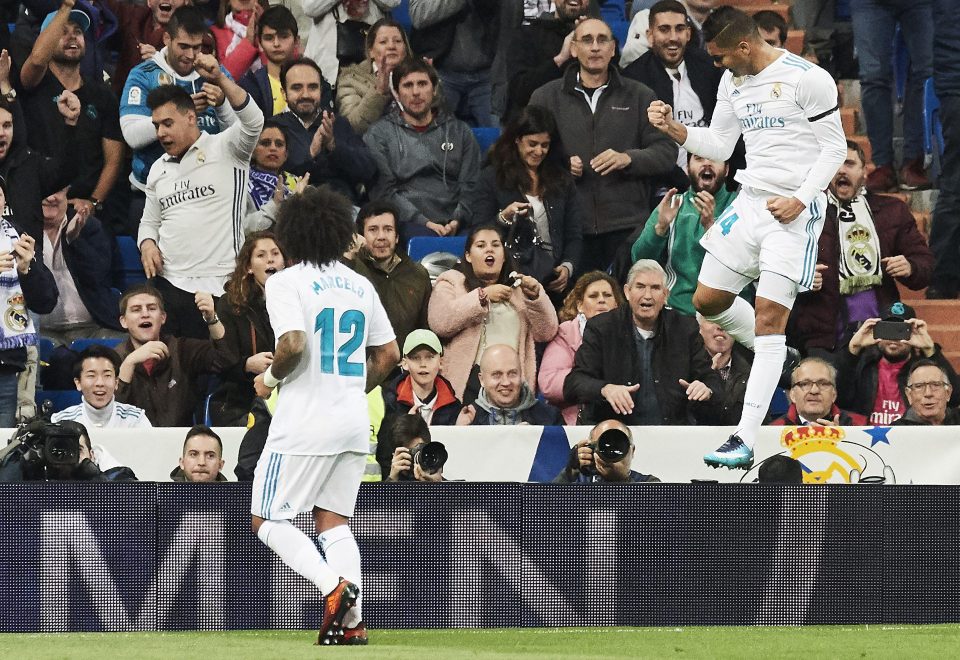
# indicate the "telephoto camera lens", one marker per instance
pixel 613 445
pixel 431 456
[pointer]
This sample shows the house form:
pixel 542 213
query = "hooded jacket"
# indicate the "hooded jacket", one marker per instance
pixel 429 176
pixel 528 409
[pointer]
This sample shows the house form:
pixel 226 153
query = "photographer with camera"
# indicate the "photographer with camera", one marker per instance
pixel 408 454
pixel 604 457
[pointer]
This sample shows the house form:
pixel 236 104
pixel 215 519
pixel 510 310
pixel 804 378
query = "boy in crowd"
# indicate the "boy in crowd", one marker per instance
pixel 420 388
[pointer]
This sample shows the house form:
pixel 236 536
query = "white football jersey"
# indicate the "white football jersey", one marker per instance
pixel 322 405
pixel 775 111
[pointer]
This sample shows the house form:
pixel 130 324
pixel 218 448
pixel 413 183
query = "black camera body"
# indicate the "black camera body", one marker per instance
pixel 41 451
pixel 430 456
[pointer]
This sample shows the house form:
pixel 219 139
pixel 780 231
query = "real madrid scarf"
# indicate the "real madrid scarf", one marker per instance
pixel 262 184
pixel 16 330
pixel 859 245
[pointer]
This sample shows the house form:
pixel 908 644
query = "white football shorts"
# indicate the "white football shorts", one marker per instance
pixel 287 484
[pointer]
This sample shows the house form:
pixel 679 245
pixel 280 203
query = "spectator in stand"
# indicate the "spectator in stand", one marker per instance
pixel 460 39
pixel 874 25
pixel 928 392
pixel 527 188
pixel 672 233
pixel 95 376
pixel 813 396
pixel 613 153
pixel 405 434
pixel 53 69
pixel 246 343
pixel 680 74
pixel 637 38
pixel 202 457
pixel 279 43
pixel 320 143
pixel 945 231
pixel 773 29
pixel 594 293
pixel 140 33
pixel 322 42
pixel 236 32
pixel 586 465
pixel 540 51
pixel 504 398
pixel 428 161
pixel 869 244
pixel 160 373
pixel 402 284
pixel 483 302
pixel 873 372
pixel 201 175
pixel 173 64
pixel 643 364
pixel 74 249
pixel 270 183
pixel 420 389
pixel 732 361
pixel 27 286
pixel 363 89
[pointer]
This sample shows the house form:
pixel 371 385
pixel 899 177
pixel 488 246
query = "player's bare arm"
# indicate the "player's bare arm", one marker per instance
pixel 381 360
pixel 661 117
pixel 286 358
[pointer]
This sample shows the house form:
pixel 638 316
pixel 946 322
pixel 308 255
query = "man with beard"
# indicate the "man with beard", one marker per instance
pixel 428 161
pixel 540 52
pixel 872 373
pixel 52 70
pixel 672 233
pixel 869 243
pixel 320 143
pixel 140 33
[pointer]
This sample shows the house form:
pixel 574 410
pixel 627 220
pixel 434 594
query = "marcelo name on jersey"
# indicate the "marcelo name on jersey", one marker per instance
pixel 337 282
pixel 755 119
pixel 182 192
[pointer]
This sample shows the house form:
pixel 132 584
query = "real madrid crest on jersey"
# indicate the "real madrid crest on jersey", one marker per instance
pixel 738 80
pixel 775 92
pixel 165 78
pixel 15 318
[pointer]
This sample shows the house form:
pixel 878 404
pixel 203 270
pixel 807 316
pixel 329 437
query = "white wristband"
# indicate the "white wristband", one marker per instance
pixel 269 380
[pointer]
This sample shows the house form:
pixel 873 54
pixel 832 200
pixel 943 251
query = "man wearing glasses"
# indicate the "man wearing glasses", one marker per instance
pixel 813 396
pixel 928 391
pixel 614 150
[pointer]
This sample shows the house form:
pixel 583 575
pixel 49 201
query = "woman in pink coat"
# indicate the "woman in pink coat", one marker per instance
pixel 594 293
pixel 479 304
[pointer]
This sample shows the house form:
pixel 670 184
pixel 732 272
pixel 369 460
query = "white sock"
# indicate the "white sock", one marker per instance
pixel 299 552
pixel 341 551
pixel 738 320
pixel 768 355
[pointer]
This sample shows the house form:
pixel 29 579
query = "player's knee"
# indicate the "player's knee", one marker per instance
pixel 255 522
pixel 707 304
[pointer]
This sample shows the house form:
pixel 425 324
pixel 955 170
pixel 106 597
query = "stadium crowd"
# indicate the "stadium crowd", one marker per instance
pixel 571 301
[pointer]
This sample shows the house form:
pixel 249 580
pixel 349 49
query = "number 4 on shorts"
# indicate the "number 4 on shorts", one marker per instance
pixel 726 220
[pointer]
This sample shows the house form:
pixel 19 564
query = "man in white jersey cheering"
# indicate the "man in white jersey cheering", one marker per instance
pixel 334 344
pixel 786 109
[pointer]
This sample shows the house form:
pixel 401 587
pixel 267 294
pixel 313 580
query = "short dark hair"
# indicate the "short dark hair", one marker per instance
pixel 769 20
pixel 202 429
pixel 780 469
pixel 377 207
pixel 667 7
pixel 396 431
pixel 76 427
pixel 300 61
pixel 138 289
pixel 413 65
pixel 855 146
pixel 726 27
pixel 164 94
pixel 280 19
pixel 315 226
pixel 272 122
pixel 187 19
pixel 96 351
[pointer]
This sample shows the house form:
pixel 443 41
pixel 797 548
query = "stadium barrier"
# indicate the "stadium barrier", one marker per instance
pixel 905 455
pixel 141 557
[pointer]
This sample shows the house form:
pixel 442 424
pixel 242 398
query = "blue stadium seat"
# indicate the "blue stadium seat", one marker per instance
pixel 486 136
pixel 45 348
pixel 401 14
pixel 130 263
pixel 421 246
pixel 621 30
pixel 613 10
pixel 79 345
pixel 779 404
pixel 932 128
pixel 59 398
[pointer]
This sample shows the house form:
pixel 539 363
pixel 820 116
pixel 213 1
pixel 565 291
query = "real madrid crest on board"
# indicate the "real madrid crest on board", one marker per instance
pixel 165 78
pixel 775 92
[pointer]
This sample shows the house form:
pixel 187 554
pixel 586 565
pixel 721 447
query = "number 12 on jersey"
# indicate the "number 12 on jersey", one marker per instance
pixel 352 322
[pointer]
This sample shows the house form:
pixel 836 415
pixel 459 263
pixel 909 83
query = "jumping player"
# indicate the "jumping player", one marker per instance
pixel 786 109
pixel 334 344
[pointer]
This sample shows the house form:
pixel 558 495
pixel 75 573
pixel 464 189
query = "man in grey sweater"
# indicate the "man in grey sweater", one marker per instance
pixel 614 151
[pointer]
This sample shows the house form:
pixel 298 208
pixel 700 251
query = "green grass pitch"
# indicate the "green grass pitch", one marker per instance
pixel 548 643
